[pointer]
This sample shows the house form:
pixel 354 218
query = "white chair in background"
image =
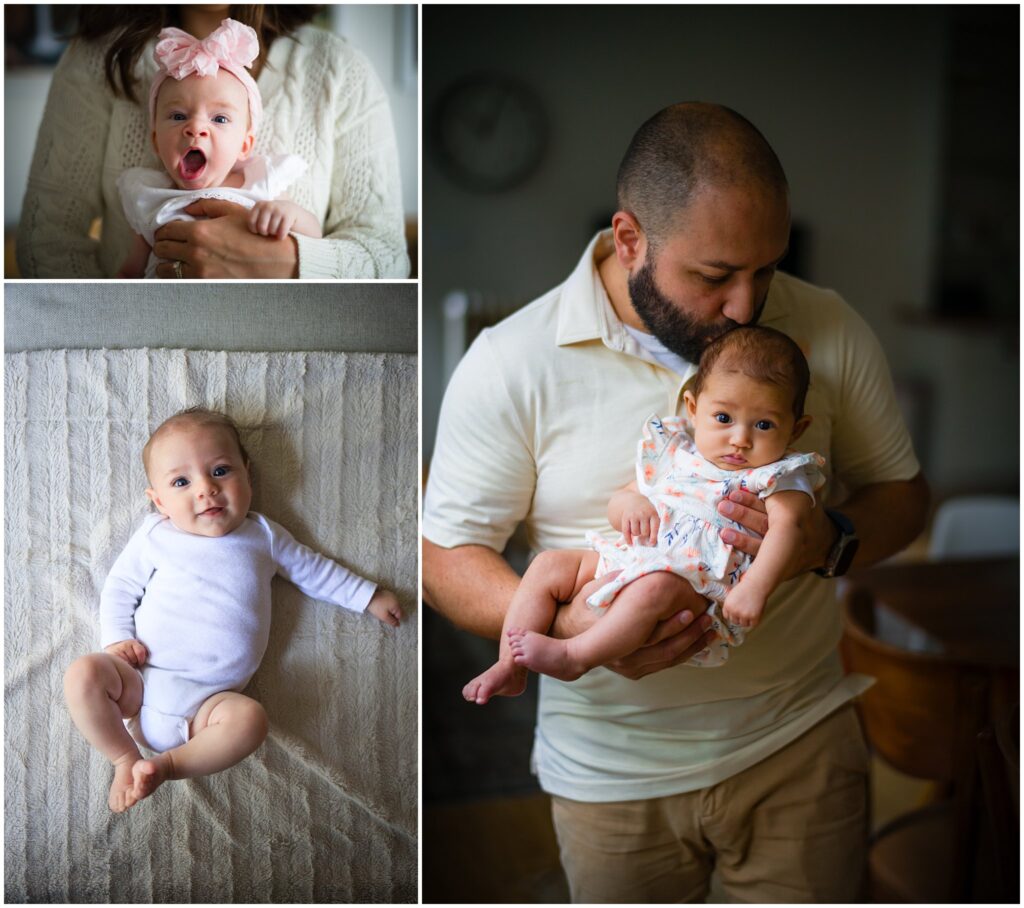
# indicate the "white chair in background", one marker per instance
pixel 976 526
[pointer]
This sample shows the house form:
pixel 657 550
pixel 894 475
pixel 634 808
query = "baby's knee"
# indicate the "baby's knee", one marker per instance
pixel 86 673
pixel 662 592
pixel 254 717
pixel 555 564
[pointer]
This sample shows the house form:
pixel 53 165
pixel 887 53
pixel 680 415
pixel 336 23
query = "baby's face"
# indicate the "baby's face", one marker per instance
pixel 199 480
pixel 201 128
pixel 739 423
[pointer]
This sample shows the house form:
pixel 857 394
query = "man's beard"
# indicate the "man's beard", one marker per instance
pixel 683 335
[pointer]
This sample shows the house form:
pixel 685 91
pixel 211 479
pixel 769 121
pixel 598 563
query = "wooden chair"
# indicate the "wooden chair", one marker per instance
pixel 922 717
pixel 999 765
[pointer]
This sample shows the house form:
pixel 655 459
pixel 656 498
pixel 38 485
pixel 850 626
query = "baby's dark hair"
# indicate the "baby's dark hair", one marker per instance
pixel 197 416
pixel 761 353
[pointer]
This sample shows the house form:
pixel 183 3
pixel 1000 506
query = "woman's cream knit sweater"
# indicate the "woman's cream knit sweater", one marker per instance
pixel 321 100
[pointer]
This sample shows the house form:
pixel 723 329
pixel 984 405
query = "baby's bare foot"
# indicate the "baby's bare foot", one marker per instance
pixel 147 776
pixel 500 680
pixel 121 798
pixel 544 654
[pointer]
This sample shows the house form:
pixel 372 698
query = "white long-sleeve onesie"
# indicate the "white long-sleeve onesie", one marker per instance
pixel 201 607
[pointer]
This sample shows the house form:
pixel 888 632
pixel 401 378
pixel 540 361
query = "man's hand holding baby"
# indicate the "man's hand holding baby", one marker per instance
pixel 133 652
pixel 385 608
pixel 683 631
pixel 750 511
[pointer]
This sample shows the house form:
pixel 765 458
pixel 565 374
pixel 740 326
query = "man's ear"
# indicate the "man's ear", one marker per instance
pixel 152 496
pixel 799 427
pixel 630 240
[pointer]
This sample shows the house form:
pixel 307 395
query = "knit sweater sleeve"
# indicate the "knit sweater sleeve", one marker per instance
pixel 125 585
pixel 364 233
pixel 64 193
pixel 316 575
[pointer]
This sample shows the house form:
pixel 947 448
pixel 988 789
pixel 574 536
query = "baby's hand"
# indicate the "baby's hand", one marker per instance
pixel 640 523
pixel 743 606
pixel 384 607
pixel 273 218
pixel 133 652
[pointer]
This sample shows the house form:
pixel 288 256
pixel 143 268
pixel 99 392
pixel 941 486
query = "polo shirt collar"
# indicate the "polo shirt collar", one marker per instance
pixel 586 312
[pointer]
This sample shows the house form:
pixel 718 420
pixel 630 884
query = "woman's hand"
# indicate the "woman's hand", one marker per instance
pixel 222 246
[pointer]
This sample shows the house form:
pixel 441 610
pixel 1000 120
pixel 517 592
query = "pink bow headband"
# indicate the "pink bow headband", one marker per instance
pixel 232 47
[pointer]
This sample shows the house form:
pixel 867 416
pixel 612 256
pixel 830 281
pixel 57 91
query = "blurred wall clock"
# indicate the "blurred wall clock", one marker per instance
pixel 489 132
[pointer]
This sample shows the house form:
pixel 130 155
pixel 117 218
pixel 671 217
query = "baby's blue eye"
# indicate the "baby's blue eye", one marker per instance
pixel 221 471
pixel 723 418
pixel 180 482
pixel 764 425
pixel 220 118
pixel 177 116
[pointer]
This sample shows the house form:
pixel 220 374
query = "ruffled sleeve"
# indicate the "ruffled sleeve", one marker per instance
pixel 662 438
pixel 795 472
pixel 282 171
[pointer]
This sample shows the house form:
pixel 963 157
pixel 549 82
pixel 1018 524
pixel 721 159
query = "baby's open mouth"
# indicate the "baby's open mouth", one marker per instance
pixel 192 164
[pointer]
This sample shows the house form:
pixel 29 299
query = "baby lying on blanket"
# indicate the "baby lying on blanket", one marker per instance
pixel 185 615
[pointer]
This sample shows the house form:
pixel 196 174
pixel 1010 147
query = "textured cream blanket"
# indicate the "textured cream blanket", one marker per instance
pixel 325 810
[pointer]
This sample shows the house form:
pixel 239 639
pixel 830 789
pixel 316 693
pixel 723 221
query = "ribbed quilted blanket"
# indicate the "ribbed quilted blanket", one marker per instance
pixel 325 810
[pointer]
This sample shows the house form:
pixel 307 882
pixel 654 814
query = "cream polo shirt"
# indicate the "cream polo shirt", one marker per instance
pixel 540 422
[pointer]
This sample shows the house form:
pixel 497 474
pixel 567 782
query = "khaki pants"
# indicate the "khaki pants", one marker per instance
pixel 792 828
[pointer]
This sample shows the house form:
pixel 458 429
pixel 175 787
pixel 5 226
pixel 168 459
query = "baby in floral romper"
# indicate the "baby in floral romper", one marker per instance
pixel 746 407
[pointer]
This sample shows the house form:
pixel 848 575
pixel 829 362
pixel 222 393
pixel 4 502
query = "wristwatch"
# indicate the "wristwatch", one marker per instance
pixel 841 556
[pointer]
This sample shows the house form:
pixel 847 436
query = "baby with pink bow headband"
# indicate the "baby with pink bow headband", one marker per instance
pixel 204 110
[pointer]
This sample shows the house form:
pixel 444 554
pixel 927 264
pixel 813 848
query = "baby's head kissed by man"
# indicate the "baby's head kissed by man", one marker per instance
pixel 746 402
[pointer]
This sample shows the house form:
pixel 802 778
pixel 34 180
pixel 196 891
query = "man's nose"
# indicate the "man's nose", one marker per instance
pixel 741 303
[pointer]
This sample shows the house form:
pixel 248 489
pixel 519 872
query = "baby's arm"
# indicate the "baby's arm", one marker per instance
pixel 384 607
pixel 323 578
pixel 633 515
pixel 280 217
pixel 135 265
pixel 783 541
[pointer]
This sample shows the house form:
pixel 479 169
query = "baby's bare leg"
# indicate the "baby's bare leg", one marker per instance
pixel 228 727
pixel 552 577
pixel 628 624
pixel 101 690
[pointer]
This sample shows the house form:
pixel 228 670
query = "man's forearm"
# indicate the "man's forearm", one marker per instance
pixel 888 516
pixel 471 585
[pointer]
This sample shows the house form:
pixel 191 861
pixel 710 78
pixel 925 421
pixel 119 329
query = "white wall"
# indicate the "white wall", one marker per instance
pixel 852 100
pixel 387 35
